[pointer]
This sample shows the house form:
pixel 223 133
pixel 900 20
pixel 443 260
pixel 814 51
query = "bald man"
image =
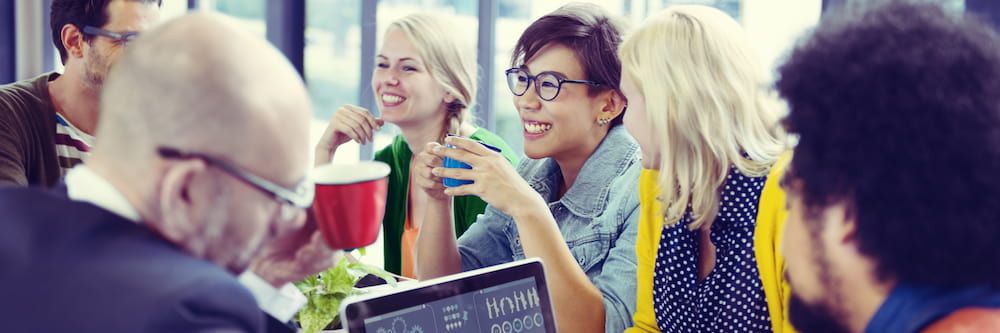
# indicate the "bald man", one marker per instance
pixel 201 161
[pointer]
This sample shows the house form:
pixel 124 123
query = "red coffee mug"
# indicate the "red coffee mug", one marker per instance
pixel 350 202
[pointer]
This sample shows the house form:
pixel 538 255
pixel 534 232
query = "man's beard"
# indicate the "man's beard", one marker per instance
pixel 822 316
pixel 814 318
pixel 95 69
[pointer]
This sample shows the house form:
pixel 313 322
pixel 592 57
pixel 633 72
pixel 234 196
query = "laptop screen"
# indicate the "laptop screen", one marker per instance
pixel 506 298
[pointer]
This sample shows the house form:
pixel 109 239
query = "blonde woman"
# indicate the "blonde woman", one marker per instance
pixel 710 204
pixel 424 85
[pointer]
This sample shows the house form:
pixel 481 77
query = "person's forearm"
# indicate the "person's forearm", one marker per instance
pixel 324 155
pixel 579 306
pixel 437 250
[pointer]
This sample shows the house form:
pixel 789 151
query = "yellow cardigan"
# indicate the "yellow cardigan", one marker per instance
pixel 771 214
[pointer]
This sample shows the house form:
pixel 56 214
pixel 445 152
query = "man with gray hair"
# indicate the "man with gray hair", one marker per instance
pixel 200 167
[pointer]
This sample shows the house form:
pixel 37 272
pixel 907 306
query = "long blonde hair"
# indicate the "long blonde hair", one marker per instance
pixel 707 102
pixel 445 62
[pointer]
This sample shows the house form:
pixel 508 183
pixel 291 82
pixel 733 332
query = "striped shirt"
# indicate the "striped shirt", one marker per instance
pixel 72 144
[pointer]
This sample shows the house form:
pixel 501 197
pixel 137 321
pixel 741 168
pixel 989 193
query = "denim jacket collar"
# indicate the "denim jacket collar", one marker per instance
pixel 588 197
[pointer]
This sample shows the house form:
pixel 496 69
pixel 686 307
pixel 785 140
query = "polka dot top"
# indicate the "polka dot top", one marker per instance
pixel 731 297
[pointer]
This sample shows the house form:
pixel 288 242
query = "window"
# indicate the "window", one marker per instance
pixel 251 13
pixel 333 63
pixel 172 9
pixel 771 26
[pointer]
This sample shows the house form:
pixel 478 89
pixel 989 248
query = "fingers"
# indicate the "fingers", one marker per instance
pixel 313 257
pixel 469 189
pixel 469 145
pixel 426 158
pixel 422 173
pixel 359 125
pixel 454 173
pixel 422 170
pixel 429 184
pixel 367 119
pixel 456 154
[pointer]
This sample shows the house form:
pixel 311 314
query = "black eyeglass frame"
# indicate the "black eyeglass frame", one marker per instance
pixel 301 197
pixel 538 88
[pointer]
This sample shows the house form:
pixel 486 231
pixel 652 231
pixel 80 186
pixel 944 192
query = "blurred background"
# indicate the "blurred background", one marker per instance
pixel 333 43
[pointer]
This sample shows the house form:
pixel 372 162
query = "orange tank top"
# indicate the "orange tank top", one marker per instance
pixel 409 246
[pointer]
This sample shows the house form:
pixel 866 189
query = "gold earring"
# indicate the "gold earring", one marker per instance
pixel 602 121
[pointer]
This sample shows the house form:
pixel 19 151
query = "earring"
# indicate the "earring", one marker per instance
pixel 602 121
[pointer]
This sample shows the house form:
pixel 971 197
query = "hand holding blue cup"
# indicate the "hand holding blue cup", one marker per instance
pixel 449 162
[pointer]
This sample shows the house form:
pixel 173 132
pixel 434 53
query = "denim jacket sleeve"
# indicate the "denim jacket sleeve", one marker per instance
pixel 485 244
pixel 617 279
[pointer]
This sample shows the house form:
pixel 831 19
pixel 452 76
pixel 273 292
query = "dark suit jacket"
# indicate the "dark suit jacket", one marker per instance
pixel 68 266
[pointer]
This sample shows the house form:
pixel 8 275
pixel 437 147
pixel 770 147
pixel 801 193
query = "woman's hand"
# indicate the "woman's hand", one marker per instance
pixel 423 163
pixel 494 179
pixel 350 122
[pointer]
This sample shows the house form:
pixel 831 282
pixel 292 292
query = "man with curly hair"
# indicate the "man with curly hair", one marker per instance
pixel 894 188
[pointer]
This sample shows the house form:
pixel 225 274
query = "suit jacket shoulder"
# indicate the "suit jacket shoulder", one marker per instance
pixel 74 267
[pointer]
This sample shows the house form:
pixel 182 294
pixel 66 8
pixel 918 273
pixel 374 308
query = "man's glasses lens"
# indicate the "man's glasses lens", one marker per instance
pixel 118 37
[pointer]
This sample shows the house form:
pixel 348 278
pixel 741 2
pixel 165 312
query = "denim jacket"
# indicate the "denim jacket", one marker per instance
pixel 598 217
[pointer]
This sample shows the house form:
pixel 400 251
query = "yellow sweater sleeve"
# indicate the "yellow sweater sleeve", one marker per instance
pixel 647 242
pixel 771 215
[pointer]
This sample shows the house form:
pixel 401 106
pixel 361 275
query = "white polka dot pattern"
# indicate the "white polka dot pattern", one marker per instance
pixel 731 297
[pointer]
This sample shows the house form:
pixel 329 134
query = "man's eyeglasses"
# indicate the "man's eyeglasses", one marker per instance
pixel 300 197
pixel 547 84
pixel 119 37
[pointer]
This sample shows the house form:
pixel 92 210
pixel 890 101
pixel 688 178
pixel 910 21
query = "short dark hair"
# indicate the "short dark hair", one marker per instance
pixel 897 111
pixel 79 13
pixel 587 30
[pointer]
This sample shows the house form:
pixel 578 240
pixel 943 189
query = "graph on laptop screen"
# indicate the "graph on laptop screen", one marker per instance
pixel 512 307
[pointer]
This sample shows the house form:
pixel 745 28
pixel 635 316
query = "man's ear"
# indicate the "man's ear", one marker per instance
pixel 841 224
pixel 180 214
pixel 72 41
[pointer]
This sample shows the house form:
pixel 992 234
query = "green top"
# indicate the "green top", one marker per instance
pixel 466 208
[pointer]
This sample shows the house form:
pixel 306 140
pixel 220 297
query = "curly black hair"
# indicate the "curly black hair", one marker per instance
pixel 897 113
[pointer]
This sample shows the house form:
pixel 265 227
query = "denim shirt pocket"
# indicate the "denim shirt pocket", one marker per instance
pixel 590 250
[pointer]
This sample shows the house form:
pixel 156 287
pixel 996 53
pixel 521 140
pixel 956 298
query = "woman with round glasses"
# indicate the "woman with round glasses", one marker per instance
pixel 574 202
pixel 424 85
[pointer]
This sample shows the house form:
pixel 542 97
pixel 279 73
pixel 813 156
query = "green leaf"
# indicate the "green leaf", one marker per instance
pixel 328 289
pixel 317 314
pixel 380 273
pixel 339 279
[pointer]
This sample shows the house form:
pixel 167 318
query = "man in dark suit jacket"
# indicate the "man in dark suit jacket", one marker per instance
pixel 72 266
pixel 198 177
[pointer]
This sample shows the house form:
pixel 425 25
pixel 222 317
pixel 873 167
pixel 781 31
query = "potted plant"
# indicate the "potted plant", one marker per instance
pixel 328 289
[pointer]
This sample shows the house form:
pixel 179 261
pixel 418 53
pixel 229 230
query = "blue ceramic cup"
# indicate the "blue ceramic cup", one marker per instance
pixel 456 164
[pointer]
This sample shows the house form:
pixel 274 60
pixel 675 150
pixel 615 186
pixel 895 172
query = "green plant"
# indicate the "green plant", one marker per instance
pixel 328 289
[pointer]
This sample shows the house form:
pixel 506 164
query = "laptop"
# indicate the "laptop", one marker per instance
pixel 509 298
